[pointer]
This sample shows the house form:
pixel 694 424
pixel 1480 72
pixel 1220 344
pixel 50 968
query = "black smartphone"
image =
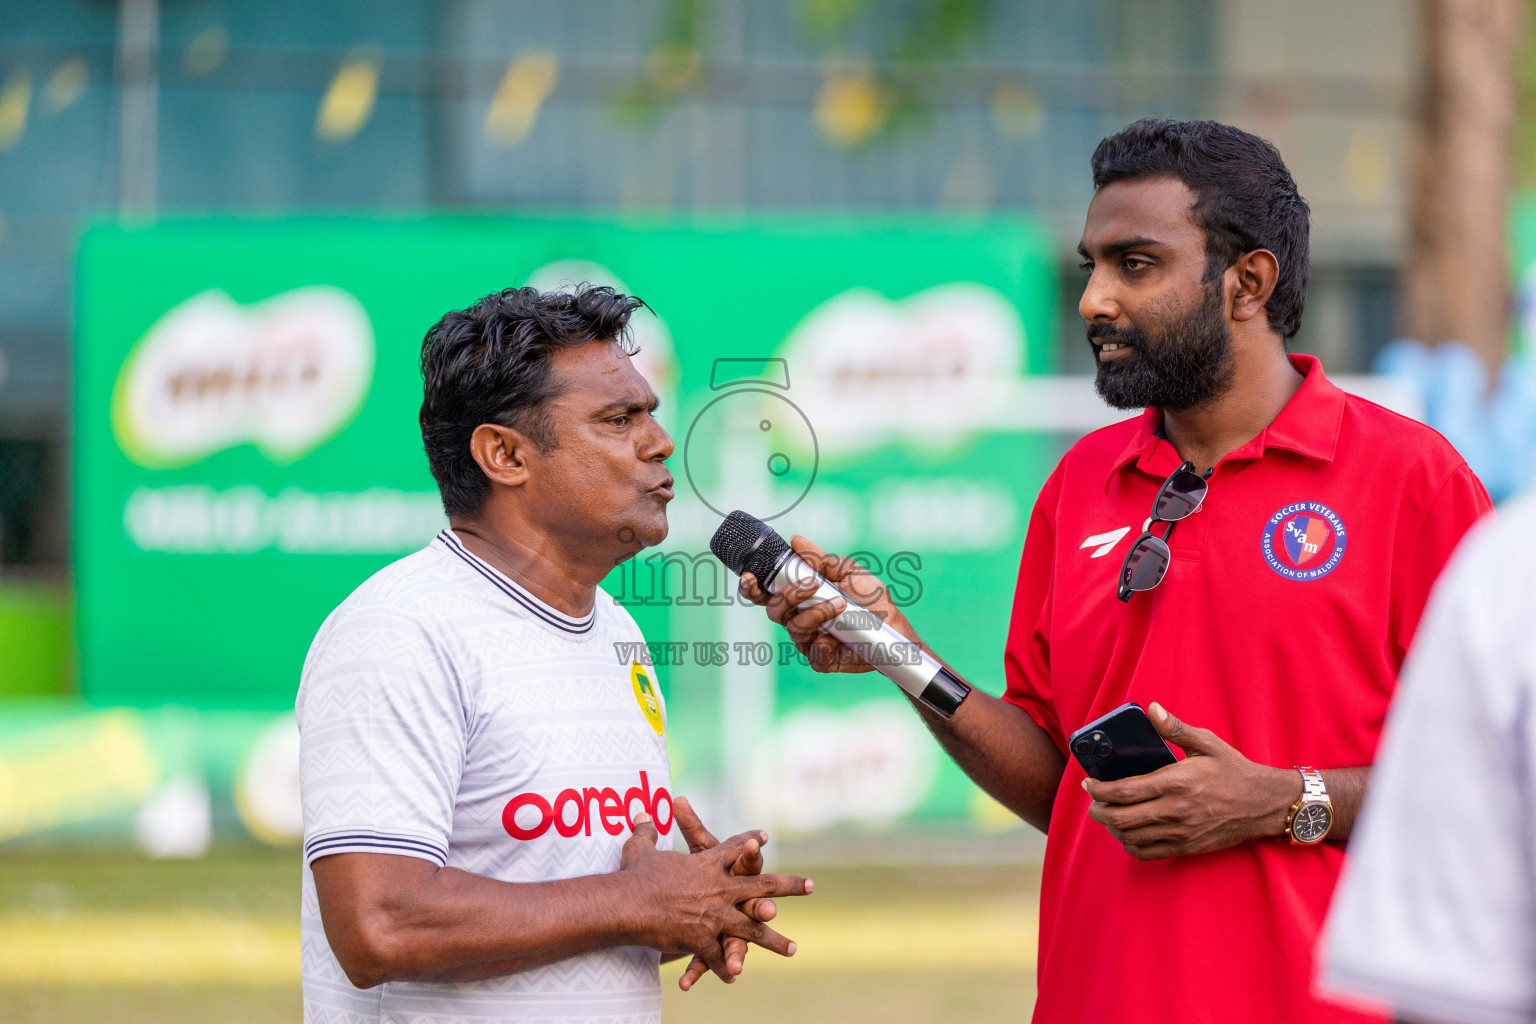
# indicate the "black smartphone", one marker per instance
pixel 1119 745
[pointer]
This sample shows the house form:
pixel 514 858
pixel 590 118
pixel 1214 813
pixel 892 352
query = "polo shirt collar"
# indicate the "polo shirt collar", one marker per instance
pixel 1308 425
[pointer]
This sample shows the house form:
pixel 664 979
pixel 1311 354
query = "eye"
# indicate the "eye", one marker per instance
pixel 1136 263
pixel 620 421
pixel 1086 266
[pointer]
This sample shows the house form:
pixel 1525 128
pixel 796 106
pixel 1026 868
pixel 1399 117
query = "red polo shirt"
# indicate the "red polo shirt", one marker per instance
pixel 1291 598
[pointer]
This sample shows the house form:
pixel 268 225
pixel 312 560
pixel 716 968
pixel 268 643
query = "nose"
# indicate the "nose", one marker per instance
pixel 1097 303
pixel 656 444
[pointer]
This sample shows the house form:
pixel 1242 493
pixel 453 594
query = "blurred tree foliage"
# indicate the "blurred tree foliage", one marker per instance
pixel 892 76
pixel 675 64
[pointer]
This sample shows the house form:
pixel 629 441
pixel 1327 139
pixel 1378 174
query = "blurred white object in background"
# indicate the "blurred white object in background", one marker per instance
pixel 267 786
pixel 868 765
pixel 176 820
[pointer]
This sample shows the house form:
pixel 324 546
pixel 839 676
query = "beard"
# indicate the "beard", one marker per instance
pixel 1187 363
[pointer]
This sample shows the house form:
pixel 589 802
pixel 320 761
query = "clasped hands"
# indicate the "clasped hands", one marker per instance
pixel 1212 799
pixel 716 899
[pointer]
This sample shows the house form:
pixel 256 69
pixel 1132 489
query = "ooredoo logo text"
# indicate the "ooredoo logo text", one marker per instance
pixel 575 812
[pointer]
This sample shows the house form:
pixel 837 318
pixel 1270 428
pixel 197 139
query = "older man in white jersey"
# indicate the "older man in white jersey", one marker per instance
pixel 486 789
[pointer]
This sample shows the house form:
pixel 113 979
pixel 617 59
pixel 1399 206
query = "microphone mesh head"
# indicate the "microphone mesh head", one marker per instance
pixel 747 544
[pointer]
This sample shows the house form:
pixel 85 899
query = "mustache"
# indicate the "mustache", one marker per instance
pixel 1104 333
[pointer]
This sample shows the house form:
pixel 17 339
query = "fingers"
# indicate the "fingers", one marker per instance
pixel 827 653
pixel 1166 725
pixel 830 566
pixel 760 909
pixel 735 954
pixel 696 969
pixel 1119 818
pixel 747 844
pixel 751 860
pixel 760 934
pixel 735 950
pixel 751 591
pixel 693 829
pixel 1135 790
pixel 641 841
pixel 806 548
pixel 803 623
pixel 742 855
pixel 1150 835
pixel 751 863
pixel 806 625
pixel 783 607
pixel 644 830
pixel 850 575
pixel 773 885
pixel 1159 851
pixel 1168 780
pixel 779 605
pixel 1187 737
pixel 713 956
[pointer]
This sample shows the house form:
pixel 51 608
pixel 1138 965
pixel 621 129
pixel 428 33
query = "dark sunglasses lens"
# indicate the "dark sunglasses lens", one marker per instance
pixel 1180 496
pixel 1147 564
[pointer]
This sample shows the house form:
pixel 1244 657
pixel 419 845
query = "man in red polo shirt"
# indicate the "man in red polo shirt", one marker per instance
pixel 1264 631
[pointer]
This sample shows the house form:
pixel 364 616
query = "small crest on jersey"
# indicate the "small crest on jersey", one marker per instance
pixel 646 696
pixel 1304 541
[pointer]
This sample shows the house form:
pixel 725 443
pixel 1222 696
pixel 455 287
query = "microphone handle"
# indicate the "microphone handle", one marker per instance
pixel 901 660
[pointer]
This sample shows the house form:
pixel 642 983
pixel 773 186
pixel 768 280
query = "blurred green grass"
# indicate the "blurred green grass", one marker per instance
pixel 113 937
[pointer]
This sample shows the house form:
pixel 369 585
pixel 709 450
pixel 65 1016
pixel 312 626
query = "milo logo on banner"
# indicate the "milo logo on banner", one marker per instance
pixel 284 375
pixel 930 370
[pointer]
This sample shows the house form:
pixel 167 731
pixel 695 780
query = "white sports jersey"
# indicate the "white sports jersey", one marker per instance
pixel 1435 914
pixel 445 713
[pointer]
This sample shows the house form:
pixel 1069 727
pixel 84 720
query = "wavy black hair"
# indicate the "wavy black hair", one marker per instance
pixel 1246 199
pixel 490 364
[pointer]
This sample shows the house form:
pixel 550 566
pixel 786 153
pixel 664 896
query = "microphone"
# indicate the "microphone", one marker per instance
pixel 746 544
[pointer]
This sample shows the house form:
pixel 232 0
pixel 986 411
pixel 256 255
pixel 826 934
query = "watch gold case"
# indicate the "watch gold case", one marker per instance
pixel 1311 822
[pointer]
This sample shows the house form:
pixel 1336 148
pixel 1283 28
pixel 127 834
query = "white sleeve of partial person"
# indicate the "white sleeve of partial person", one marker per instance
pixel 1435 914
pixel 382 726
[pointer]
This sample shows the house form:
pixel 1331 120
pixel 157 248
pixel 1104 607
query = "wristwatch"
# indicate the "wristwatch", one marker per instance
pixel 1310 817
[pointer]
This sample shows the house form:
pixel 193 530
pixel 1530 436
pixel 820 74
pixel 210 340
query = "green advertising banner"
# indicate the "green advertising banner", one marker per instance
pixel 247 452
pixel 166 779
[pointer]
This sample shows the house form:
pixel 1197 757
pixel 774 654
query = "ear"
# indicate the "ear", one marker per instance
pixel 502 453
pixel 1256 273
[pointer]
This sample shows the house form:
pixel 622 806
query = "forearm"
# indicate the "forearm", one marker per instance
pixel 1004 752
pixel 1346 790
pixel 452 925
pixel 998 745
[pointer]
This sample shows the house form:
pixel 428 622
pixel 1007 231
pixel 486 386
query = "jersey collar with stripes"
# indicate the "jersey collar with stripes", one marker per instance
pixel 504 583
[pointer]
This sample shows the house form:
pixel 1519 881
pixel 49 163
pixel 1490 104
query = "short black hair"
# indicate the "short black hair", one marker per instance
pixel 1246 199
pixel 490 364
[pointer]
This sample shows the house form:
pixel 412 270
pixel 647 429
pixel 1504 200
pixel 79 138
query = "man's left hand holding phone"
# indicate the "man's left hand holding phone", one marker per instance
pixel 1212 799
